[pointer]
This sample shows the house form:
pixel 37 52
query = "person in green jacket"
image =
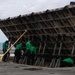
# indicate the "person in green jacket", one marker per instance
pixel 18 52
pixel 4 48
pixel 33 53
pixel 67 62
pixel 28 51
pixel 28 45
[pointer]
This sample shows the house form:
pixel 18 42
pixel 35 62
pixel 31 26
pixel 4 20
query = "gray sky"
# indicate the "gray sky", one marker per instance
pixel 11 8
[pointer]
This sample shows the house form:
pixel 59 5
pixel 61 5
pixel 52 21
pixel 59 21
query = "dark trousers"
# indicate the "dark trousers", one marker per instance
pixel 17 55
pixel 8 56
pixel 66 64
pixel 24 54
pixel 32 58
pixel 28 57
pixel 5 56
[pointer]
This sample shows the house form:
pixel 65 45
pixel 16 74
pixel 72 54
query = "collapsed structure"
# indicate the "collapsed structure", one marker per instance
pixel 52 32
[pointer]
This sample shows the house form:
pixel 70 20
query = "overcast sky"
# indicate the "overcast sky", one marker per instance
pixel 11 8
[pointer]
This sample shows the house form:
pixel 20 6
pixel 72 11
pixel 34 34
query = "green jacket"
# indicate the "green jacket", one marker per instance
pixel 18 46
pixel 4 47
pixel 69 60
pixel 28 45
pixel 33 49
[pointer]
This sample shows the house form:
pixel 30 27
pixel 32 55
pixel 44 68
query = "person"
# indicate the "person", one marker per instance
pixel 9 45
pixel 67 62
pixel 18 52
pixel 28 51
pixel 33 53
pixel 4 48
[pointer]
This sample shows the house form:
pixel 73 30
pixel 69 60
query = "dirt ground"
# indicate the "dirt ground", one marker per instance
pixel 10 68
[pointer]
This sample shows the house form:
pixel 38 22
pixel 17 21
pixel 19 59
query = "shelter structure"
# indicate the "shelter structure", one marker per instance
pixel 52 32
